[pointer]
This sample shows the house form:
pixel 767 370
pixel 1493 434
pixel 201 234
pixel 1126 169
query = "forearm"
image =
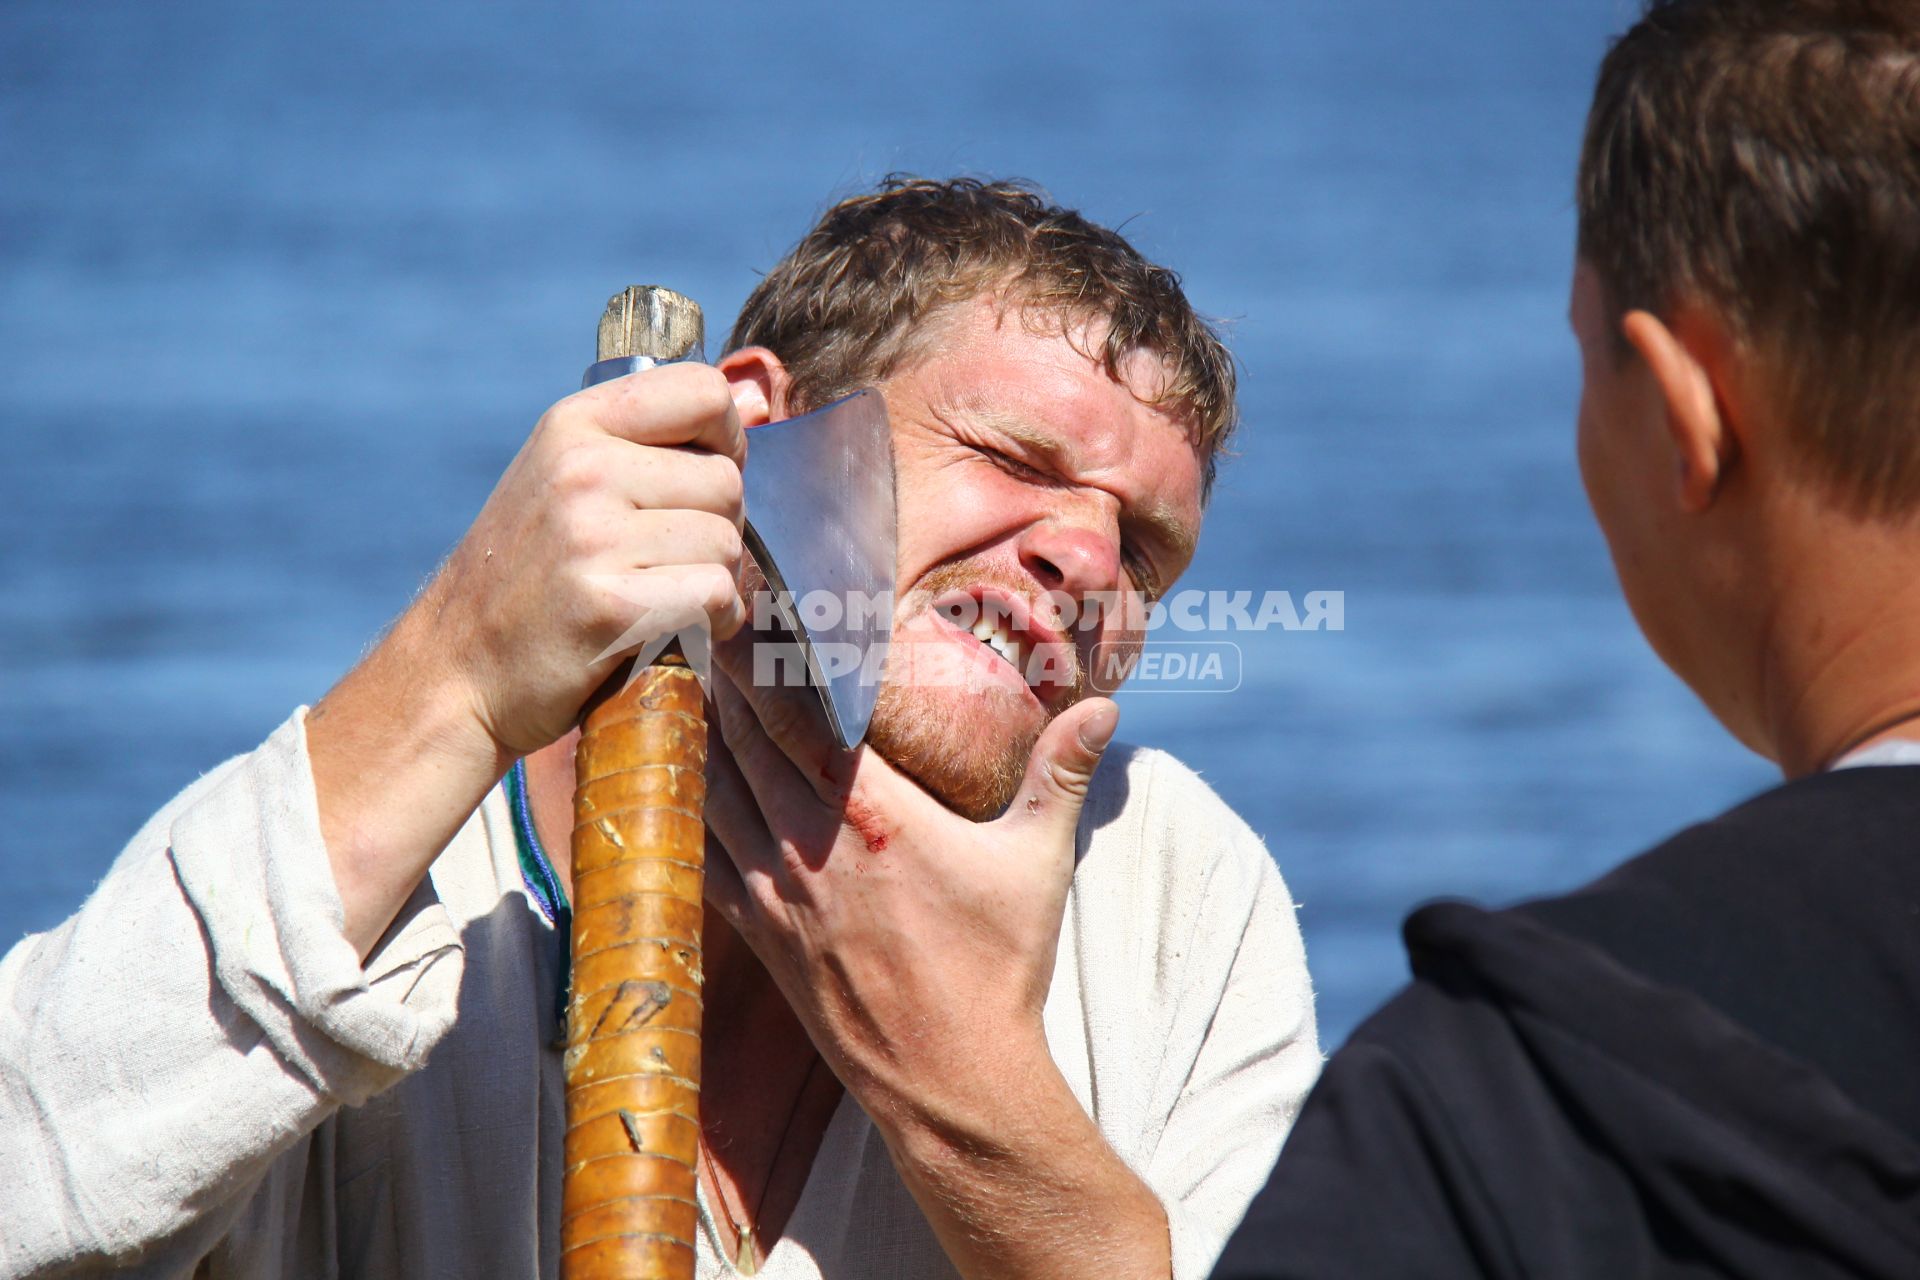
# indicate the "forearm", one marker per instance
pixel 1015 1177
pixel 400 761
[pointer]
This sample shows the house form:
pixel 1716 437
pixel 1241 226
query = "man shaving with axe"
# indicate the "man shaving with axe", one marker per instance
pixel 972 1007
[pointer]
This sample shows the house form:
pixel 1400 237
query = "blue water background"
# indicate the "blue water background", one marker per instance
pixel 282 287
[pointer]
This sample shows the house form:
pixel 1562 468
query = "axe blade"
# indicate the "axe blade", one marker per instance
pixel 821 526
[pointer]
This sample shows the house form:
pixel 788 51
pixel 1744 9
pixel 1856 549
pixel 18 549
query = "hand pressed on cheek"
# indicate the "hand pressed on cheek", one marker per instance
pixel 899 931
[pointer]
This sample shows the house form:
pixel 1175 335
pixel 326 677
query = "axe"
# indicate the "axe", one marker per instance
pixel 820 507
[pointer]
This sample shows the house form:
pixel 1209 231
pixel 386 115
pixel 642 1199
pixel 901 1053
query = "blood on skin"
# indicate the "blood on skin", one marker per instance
pixel 867 823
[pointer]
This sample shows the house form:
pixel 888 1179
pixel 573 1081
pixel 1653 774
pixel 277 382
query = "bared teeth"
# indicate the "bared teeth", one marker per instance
pixel 998 641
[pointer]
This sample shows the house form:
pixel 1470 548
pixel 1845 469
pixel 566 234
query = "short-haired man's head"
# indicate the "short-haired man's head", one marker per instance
pixel 1761 158
pixel 849 305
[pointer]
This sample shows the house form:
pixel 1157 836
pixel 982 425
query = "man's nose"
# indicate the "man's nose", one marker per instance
pixel 1071 558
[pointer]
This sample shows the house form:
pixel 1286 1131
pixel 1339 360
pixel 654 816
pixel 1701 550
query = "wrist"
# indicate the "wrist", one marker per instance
pixel 984 1163
pixel 400 760
pixel 994 1088
pixel 407 701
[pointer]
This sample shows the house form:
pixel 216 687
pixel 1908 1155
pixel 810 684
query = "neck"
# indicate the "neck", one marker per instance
pixel 550 800
pixel 1842 669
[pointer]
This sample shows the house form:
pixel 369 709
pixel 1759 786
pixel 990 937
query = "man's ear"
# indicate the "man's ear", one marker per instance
pixel 1689 366
pixel 760 384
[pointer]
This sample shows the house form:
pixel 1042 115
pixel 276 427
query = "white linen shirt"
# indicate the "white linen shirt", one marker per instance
pixel 196 1071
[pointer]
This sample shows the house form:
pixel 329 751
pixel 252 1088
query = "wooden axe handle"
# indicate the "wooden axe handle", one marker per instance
pixel 633 1014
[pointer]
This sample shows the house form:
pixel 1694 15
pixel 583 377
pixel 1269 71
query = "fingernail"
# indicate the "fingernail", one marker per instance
pixel 1096 731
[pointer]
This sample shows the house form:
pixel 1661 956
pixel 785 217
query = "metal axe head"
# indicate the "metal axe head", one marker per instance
pixel 820 524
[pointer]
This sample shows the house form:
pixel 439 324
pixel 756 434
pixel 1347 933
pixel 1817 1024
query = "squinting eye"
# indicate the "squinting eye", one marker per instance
pixel 1011 465
pixel 1140 570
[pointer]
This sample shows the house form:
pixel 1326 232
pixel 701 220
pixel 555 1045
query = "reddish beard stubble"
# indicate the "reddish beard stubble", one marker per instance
pixel 976 774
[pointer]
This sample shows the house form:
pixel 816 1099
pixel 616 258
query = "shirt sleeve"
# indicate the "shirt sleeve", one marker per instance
pixel 200 1014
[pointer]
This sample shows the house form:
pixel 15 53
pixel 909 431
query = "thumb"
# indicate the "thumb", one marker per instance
pixel 1062 766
